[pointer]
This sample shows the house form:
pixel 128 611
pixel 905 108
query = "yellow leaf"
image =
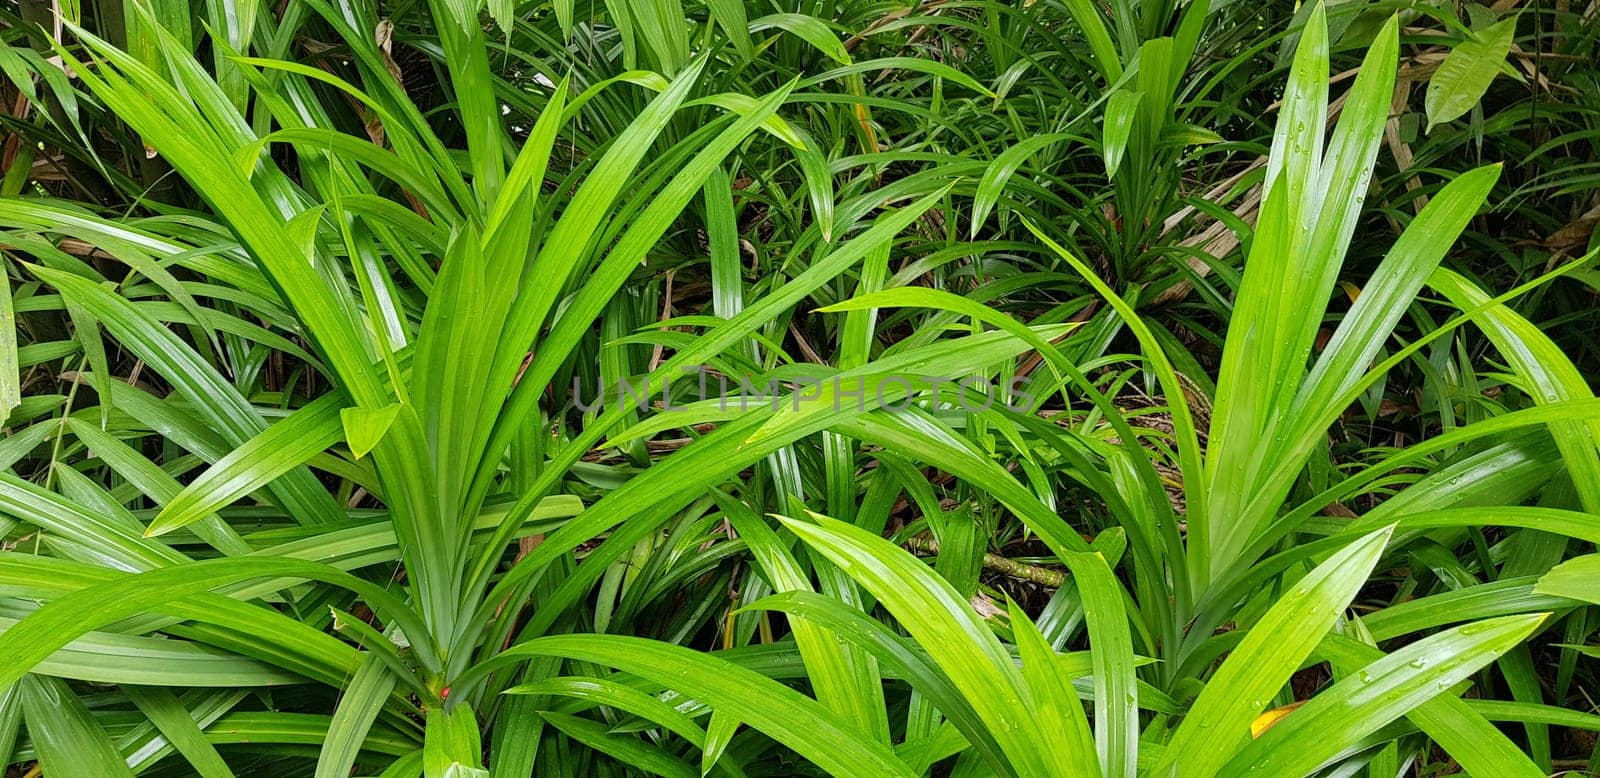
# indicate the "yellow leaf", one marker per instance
pixel 1269 719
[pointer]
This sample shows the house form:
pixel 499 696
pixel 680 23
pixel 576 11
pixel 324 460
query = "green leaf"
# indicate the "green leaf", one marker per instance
pixel 899 657
pixel 1121 113
pixel 359 706
pixel 760 702
pixel 109 657
pixel 452 748
pixel 590 692
pixel 365 427
pixel 279 449
pixel 265 728
pixel 1577 579
pixel 925 66
pixel 10 377
pixel 1116 693
pixel 1453 723
pixel 959 641
pixel 1087 16
pixel 1217 726
pixel 999 171
pixel 718 733
pixel 66 736
pixel 730 16
pixel 178 726
pixel 58 622
pixel 624 748
pixel 1466 73
pixel 1051 685
pixel 842 678
pixel 1550 374
pixel 10 720
pixel 809 29
pixel 1357 705
pixel 212 398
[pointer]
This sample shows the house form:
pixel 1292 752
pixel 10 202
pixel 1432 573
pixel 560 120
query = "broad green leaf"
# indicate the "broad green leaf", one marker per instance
pixel 842 678
pixel 178 726
pixel 308 730
pixel 1577 579
pixel 958 640
pixel 1121 113
pixel 1466 73
pixel 279 449
pixel 730 16
pixel 1334 380
pixel 1341 715
pixel 718 732
pixel 10 720
pixel 115 542
pixel 1052 689
pixel 453 748
pixel 999 171
pixel 809 29
pixel 899 658
pixel 627 749
pixel 214 399
pixel 1116 694
pixel 365 427
pixel 761 703
pixel 1453 723
pixel 59 621
pixel 1093 28
pixel 10 377
pixel 612 694
pixel 1217 726
pixel 66 736
pixel 1551 375
pixel 358 707
pixel 924 66
pixel 1502 597
pixel 1310 209
pixel 112 658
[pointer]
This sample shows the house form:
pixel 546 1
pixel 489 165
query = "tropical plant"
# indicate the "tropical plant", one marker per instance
pixel 345 347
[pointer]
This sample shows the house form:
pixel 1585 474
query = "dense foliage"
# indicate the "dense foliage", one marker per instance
pixel 1162 388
